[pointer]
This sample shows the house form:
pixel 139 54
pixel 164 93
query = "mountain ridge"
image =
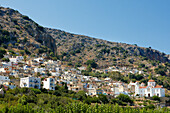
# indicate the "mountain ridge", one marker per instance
pixel 145 52
pixel 69 47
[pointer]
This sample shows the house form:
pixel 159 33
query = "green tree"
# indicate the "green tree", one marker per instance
pixel 150 76
pixel 22 52
pixel 5 59
pixel 25 58
pixel 103 98
pixel 10 45
pixel 124 98
pixel 150 106
pixel 92 63
pixel 89 69
pixel 81 95
pixel 115 75
pixel 2 52
pixel 156 98
pixel 51 54
pixel 25 40
pixel 23 100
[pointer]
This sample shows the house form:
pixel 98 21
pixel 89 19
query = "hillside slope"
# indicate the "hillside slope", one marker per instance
pixel 81 48
pixel 22 35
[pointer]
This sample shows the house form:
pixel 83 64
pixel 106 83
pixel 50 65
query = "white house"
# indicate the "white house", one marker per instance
pixel 40 70
pixel 39 60
pixel 14 73
pixel 150 90
pixel 55 74
pixel 30 82
pixel 6 64
pixel 2 70
pixel 4 79
pixel 17 59
pixel 1 92
pixel 25 67
pixel 91 91
pixel 10 85
pixel 58 69
pixel 49 83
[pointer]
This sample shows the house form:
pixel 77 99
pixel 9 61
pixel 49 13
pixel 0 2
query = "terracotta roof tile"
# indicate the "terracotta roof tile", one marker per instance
pixel 158 86
pixel 151 81
pixel 143 87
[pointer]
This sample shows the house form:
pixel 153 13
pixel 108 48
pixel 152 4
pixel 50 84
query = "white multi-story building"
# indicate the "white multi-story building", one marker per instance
pixel 40 70
pixel 30 82
pixel 39 60
pixel 150 90
pixel 4 79
pixel 49 83
pixel 17 59
pixel 2 70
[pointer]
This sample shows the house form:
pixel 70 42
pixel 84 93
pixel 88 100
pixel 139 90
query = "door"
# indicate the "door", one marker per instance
pixel 148 94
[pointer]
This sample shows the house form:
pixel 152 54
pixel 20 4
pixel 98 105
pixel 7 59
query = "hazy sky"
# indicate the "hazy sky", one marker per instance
pixel 142 22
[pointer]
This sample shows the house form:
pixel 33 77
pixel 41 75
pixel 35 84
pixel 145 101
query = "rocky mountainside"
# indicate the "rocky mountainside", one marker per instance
pixel 19 31
pixel 73 47
pixel 20 34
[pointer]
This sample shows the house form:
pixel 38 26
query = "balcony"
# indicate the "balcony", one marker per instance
pixel 25 84
pixel 51 84
pixel 52 80
pixel 31 85
pixel 36 81
pixel 31 81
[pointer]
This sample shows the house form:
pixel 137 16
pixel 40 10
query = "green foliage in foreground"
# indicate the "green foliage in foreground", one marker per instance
pixel 78 108
pixel 30 100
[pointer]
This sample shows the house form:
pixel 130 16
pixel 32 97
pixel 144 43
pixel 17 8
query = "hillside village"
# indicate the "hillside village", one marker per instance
pixel 39 63
pixel 41 73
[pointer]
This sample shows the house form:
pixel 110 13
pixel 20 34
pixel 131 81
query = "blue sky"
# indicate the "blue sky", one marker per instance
pixel 142 22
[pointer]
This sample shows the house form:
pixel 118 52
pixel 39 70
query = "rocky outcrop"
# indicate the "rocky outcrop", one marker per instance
pixel 21 26
pixel 66 40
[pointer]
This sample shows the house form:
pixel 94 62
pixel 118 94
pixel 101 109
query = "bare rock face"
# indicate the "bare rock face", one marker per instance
pixel 21 26
pixel 168 56
pixel 47 40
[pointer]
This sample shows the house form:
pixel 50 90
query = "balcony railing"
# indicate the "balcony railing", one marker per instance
pixel 36 81
pixel 31 81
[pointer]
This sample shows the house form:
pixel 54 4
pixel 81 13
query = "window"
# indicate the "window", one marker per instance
pixel 25 84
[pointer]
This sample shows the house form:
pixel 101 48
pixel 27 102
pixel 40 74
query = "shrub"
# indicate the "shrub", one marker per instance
pixel 141 65
pixel 17 27
pixel 22 52
pixel 150 106
pixel 25 40
pixel 124 98
pixel 92 63
pixel 156 98
pixel 25 17
pixel 2 52
pixel 5 59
